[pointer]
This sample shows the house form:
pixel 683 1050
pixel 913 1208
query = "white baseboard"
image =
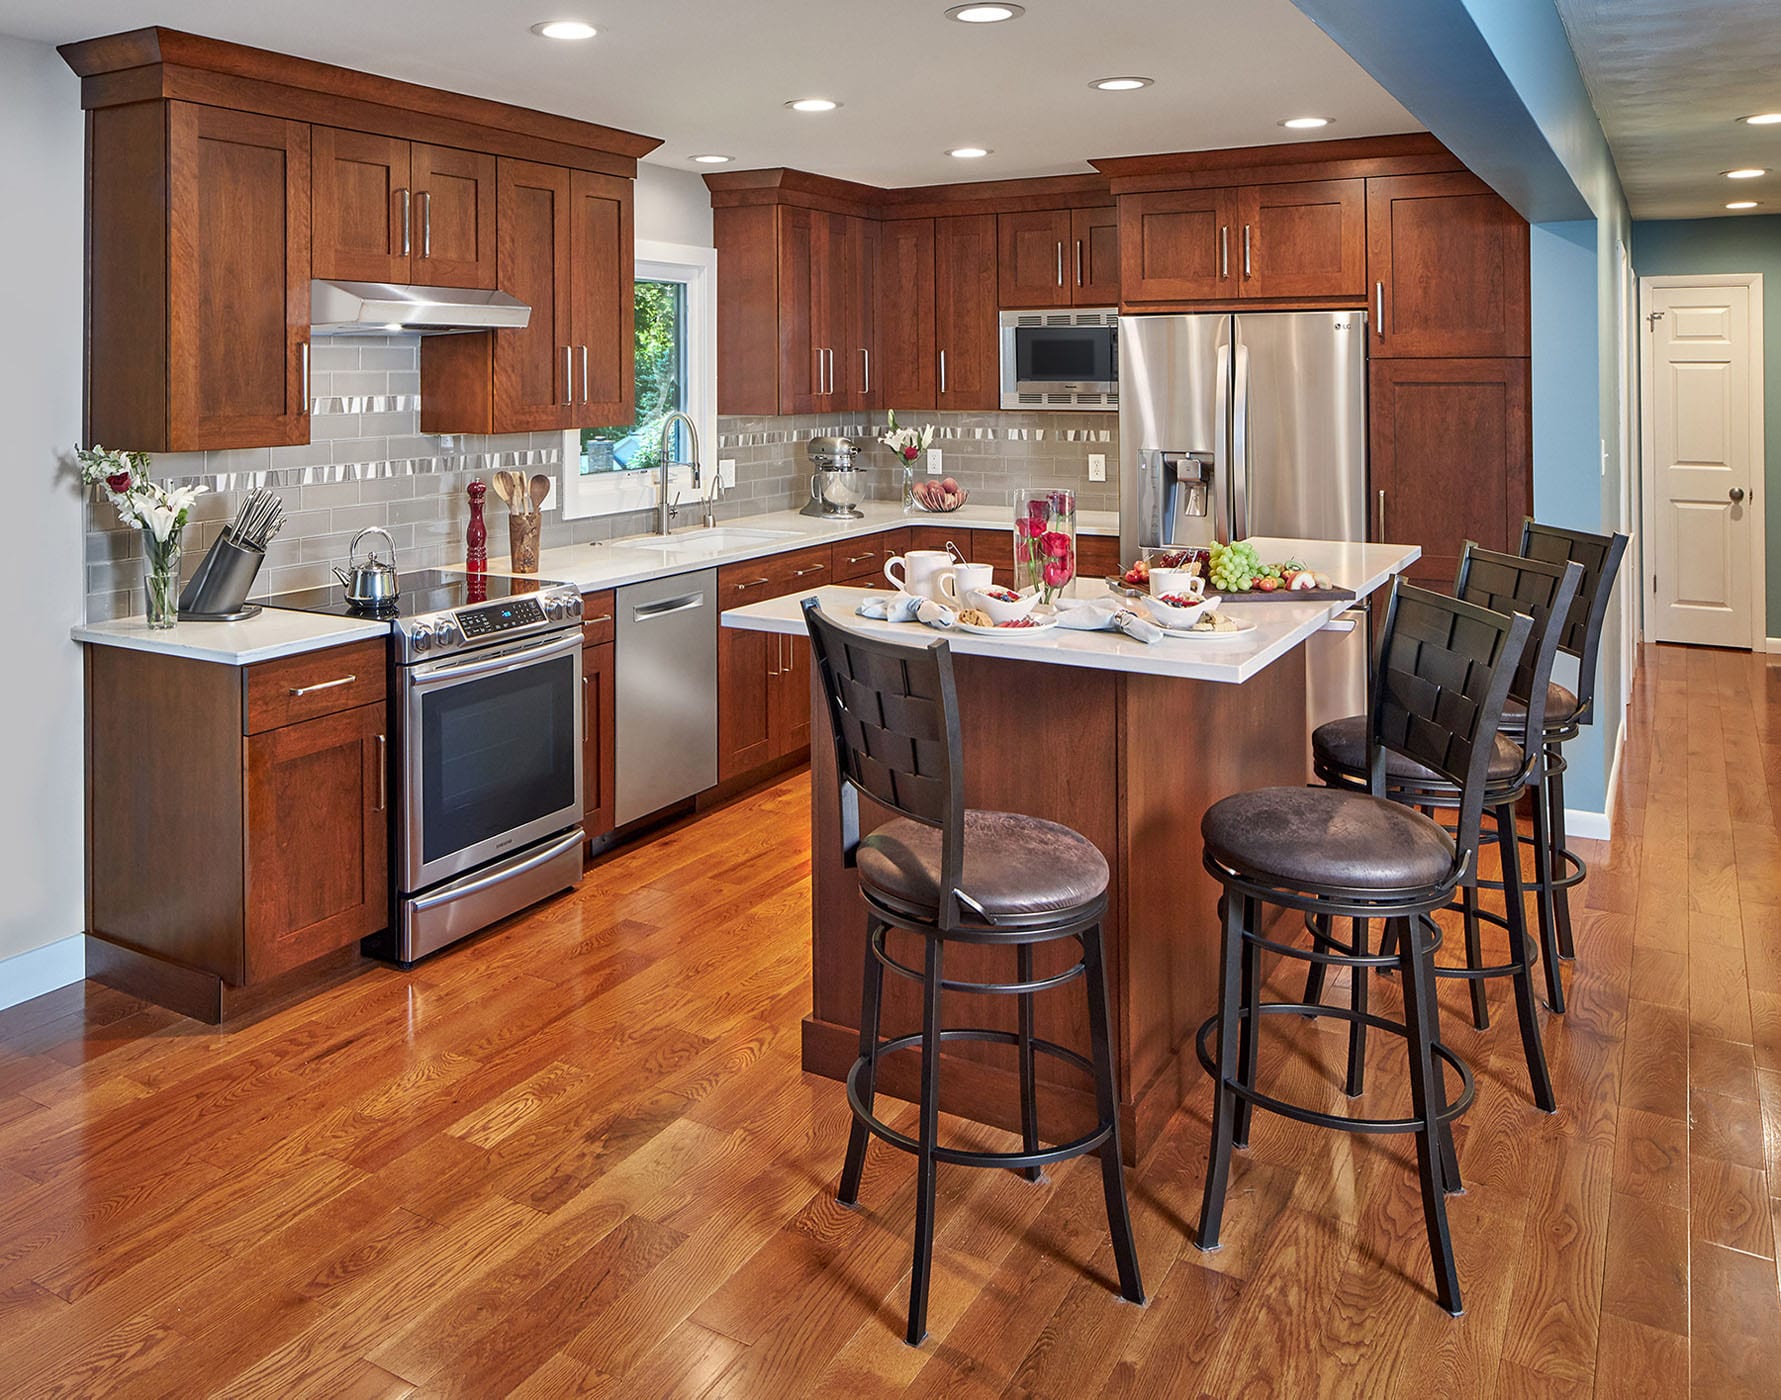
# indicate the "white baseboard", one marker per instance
pixel 27 975
pixel 1775 646
pixel 1599 826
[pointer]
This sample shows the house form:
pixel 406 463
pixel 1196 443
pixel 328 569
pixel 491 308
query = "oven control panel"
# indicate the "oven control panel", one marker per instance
pixel 485 624
pixel 491 618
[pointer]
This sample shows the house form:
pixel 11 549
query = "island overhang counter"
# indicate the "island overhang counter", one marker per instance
pixel 1126 743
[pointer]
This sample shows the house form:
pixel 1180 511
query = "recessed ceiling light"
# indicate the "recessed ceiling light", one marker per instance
pixel 812 104
pixel 1749 172
pixel 1306 123
pixel 1742 204
pixel 985 14
pixel 1121 84
pixel 1762 119
pixel 565 29
pixel 968 152
pixel 711 160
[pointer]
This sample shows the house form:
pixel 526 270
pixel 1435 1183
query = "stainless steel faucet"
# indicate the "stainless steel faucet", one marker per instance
pixel 665 508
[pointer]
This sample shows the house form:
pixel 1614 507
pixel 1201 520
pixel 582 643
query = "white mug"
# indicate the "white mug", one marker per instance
pixel 920 572
pixel 955 583
pixel 1164 582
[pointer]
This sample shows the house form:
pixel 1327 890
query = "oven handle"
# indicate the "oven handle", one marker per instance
pixel 450 672
pixel 501 874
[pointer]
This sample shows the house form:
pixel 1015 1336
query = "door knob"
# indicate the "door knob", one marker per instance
pixel 1737 494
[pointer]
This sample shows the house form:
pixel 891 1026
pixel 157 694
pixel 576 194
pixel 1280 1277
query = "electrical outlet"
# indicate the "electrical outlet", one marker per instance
pixel 934 468
pixel 1097 466
pixel 726 472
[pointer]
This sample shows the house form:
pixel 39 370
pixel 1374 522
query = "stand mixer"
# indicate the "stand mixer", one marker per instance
pixel 837 485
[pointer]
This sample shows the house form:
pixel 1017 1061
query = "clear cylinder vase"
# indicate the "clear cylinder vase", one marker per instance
pixel 160 577
pixel 1045 542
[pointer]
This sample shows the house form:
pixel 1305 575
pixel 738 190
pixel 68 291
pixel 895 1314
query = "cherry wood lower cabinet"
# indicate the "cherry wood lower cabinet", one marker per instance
pixel 237 821
pixel 1451 457
pixel 763 680
pixel 599 761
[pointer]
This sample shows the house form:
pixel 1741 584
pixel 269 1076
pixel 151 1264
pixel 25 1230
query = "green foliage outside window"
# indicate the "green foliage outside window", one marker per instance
pixel 661 366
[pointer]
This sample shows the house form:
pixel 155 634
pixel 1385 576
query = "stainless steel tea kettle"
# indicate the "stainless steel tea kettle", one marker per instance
pixel 370 583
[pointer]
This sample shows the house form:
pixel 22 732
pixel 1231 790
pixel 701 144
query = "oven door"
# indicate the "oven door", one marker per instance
pixel 491 755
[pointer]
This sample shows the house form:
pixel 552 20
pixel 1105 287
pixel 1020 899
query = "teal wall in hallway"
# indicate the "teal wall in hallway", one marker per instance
pixel 1681 246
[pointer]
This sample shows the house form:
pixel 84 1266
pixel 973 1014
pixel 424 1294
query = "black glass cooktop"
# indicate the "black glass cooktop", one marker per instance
pixel 422 591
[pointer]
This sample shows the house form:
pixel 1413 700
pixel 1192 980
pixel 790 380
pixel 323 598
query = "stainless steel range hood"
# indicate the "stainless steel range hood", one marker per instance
pixel 382 308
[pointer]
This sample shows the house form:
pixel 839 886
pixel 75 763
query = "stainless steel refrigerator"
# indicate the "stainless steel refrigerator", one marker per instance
pixel 1236 424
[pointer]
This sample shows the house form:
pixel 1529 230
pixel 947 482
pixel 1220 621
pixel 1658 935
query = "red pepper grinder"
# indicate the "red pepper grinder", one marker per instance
pixel 476 537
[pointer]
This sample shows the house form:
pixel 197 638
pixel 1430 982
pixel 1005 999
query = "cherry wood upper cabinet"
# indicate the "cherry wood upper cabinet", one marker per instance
pixel 1033 250
pixel 453 233
pixel 1447 260
pixel 363 206
pixel 1303 239
pixel 197 303
pixel 906 359
pixel 857 378
pixel 965 324
pixel 535 367
pixel 804 310
pixel 601 275
pixel 1450 457
pixel 1096 236
pixel 1175 245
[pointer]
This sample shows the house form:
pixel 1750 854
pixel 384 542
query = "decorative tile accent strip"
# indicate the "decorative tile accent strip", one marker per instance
pixel 326 473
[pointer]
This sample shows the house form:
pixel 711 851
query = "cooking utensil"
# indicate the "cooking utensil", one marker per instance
pixel 503 489
pixel 371 583
pixel 521 501
pixel 540 489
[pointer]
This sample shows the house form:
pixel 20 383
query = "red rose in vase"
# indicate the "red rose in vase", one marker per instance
pixel 119 482
pixel 1058 572
pixel 1056 543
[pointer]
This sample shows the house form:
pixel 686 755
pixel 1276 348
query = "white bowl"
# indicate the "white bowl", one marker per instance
pixel 1000 609
pixel 1180 619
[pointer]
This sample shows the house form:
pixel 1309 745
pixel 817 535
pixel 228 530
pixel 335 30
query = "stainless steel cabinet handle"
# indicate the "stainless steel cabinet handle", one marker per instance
pixel 568 375
pixel 426 223
pixel 407 242
pixel 1379 309
pixel 1246 271
pixel 752 583
pixel 383 773
pixel 306 376
pixel 1379 520
pixel 595 621
pixel 651 611
pixel 942 371
pixel 861 558
pixel 813 569
pixel 866 370
pixel 584 383
pixel 1737 494
pixel 322 685
pixel 1060 264
pixel 1224 251
pixel 1078 262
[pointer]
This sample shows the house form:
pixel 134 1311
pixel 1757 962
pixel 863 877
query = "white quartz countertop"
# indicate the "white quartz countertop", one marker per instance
pixel 1279 626
pixel 276 633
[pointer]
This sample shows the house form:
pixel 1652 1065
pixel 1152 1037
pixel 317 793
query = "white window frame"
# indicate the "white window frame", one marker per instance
pixel 609 493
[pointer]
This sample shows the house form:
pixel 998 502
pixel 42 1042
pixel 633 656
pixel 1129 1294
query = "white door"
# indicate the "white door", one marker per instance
pixel 1701 507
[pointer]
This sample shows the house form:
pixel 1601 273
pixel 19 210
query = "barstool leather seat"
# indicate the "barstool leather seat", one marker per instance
pixel 1561 710
pixel 1328 837
pixel 1016 867
pixel 1342 744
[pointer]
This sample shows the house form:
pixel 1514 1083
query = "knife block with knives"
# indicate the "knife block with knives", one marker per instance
pixel 217 591
pixel 524 520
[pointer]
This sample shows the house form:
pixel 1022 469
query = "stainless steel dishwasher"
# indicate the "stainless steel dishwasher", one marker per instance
pixel 665 717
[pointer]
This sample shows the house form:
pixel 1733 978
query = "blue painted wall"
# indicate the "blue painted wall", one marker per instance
pixel 1744 244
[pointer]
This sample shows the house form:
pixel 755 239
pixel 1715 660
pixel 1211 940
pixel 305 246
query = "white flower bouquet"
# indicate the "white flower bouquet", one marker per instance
pixel 160 511
pixel 908 444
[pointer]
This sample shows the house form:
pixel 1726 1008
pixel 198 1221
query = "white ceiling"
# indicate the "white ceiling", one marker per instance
pixel 713 75
pixel 1669 79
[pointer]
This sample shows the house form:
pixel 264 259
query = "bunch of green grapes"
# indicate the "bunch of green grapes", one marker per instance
pixel 1234 567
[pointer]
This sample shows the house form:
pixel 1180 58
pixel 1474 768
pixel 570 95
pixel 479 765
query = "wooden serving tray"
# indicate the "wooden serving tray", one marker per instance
pixel 1255 595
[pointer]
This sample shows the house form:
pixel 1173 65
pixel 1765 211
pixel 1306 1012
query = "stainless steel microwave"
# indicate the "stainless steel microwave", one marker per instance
pixel 1060 359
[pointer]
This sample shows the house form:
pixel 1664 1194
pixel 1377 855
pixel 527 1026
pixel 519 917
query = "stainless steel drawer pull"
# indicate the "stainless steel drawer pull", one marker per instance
pixel 651 611
pixel 1379 518
pixel 383 773
pixel 322 685
pixel 752 583
pixel 813 569
pixel 860 558
pixel 595 621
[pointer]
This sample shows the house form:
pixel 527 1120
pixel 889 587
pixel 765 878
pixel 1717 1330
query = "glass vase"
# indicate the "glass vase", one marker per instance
pixel 908 472
pixel 1045 542
pixel 160 577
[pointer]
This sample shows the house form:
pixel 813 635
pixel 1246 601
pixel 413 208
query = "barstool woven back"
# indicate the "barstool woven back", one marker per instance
pixel 1545 591
pixel 1600 557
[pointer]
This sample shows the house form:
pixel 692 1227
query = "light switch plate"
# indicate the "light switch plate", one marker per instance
pixel 726 471
pixel 933 461
pixel 1097 466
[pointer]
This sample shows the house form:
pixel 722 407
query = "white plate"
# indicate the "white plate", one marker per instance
pixel 1199 634
pixel 1040 624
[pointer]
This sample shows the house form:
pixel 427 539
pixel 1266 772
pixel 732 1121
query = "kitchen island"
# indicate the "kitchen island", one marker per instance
pixel 1128 744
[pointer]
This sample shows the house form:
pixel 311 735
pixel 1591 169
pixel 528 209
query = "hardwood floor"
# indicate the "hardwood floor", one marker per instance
pixel 579 1158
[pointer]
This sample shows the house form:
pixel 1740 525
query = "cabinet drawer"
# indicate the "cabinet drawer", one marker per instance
pixel 596 617
pixel 295 688
pixel 802 571
pixel 862 561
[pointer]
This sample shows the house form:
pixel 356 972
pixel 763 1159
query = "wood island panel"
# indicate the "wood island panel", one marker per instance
pixel 1131 762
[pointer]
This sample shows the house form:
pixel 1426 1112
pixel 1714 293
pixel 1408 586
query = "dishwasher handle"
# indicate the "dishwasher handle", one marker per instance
pixel 648 612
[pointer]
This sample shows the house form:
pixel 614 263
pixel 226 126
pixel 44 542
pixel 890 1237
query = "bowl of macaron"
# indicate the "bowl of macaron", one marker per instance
pixel 1003 605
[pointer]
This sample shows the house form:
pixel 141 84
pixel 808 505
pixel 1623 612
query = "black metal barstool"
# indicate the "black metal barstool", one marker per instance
pixel 1557 868
pixel 1505 583
pixel 1438 691
pixel 951 875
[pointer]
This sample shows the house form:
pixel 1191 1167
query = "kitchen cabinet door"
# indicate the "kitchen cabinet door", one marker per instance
pixel 1303 239
pixel 533 370
pixel 747 667
pixel 453 234
pixel 966 327
pixel 1095 233
pixel 317 825
pixel 237 282
pixel 364 206
pixel 791 696
pixel 906 356
pixel 1097 556
pixel 1450 457
pixel 598 758
pixel 803 310
pixel 1175 245
pixel 1036 261
pixel 602 292
pixel 857 378
pixel 1447 264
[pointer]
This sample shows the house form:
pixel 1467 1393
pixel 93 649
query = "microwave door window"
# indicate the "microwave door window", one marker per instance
pixel 496 753
pixel 1064 359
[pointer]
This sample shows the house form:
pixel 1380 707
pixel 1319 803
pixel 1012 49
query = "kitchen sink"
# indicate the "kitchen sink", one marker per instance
pixel 702 543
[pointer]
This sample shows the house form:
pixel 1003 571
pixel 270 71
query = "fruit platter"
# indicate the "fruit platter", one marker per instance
pixel 939 497
pixel 1238 573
